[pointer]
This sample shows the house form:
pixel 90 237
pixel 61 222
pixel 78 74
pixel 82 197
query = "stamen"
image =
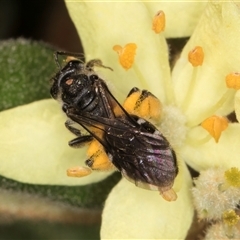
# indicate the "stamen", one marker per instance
pixel 126 54
pixel 230 217
pixel 233 80
pixel 196 56
pixel 215 125
pixel 158 23
pixel 213 108
pixel 78 171
pixel 232 176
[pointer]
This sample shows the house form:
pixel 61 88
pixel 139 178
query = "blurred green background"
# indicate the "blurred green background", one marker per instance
pixel 29 211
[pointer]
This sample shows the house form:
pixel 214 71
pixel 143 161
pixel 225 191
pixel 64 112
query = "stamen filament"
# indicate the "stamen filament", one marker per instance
pixel 211 110
pixel 190 91
pixel 167 83
pixel 194 142
pixel 140 77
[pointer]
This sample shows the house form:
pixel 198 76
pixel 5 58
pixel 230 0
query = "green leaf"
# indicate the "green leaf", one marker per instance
pixel 25 73
pixel 89 196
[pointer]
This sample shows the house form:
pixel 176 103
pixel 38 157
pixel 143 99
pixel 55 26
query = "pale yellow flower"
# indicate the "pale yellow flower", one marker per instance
pixel 189 95
pixel 192 94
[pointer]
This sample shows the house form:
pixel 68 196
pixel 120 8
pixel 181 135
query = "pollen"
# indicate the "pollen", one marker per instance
pixel 78 171
pixel 232 177
pixel 233 80
pixel 158 23
pixel 126 54
pixel 230 217
pixel 215 125
pixel 196 56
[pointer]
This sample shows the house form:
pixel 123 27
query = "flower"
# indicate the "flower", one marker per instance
pixel 195 91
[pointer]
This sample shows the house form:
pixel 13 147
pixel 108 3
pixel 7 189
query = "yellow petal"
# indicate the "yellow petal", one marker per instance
pixel 202 152
pixel 134 213
pixel 34 146
pixel 103 25
pixel 202 92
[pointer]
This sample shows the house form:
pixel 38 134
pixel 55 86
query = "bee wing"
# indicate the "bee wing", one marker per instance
pixel 146 159
pixel 143 157
pixel 95 125
pixel 112 107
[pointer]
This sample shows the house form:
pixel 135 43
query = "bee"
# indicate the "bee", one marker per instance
pixel 119 136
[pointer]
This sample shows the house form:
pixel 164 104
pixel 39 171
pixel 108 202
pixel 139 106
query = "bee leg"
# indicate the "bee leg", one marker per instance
pixel 143 104
pixel 97 161
pixel 98 158
pixel 133 91
pixel 73 130
pixel 80 140
pixel 130 102
pixel 96 63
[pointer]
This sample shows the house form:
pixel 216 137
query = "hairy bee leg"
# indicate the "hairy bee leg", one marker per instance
pixel 98 158
pixel 132 91
pixel 73 130
pixel 78 171
pixel 80 141
pixel 130 102
pixel 96 63
pixel 143 104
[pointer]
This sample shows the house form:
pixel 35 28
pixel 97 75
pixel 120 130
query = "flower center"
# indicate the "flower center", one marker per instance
pixel 173 126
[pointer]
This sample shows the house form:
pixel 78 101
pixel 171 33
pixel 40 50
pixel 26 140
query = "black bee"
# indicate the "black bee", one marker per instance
pixel 117 138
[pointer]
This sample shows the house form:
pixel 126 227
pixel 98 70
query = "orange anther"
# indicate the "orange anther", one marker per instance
pixel 158 23
pixel 78 171
pixel 215 125
pixel 233 80
pixel 126 54
pixel 196 56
